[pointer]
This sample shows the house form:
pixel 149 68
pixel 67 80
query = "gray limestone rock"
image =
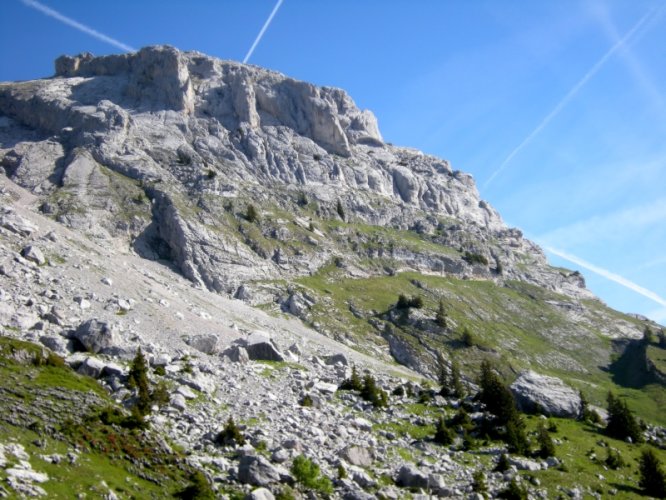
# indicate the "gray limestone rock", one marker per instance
pixel 207 343
pixel 260 494
pixel 97 336
pixel 256 470
pixel 547 394
pixel 409 476
pixel 357 455
pixel 33 254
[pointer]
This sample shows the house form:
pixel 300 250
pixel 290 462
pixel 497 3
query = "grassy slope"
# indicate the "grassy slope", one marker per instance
pixel 512 322
pixel 50 409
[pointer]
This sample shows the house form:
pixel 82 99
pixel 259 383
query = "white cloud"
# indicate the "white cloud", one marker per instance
pixel 609 275
pixel 76 25
pixel 620 44
pixel 262 31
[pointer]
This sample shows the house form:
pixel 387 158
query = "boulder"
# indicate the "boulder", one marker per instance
pixel 96 336
pixel 548 395
pixel 237 354
pixel 92 367
pixel 260 494
pixel 337 358
pixel 260 347
pixel 409 476
pixel 258 471
pixel 17 224
pixel 207 343
pixel 357 455
pixel 33 254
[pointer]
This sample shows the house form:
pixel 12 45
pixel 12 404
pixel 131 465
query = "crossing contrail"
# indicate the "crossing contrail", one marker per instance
pixel 76 25
pixel 263 30
pixel 571 94
pixel 620 280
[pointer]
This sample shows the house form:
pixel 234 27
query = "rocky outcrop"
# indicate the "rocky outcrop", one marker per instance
pixel 547 395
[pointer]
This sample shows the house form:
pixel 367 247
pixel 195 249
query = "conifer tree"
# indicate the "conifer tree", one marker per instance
pixel 138 379
pixel 341 211
pixel 443 435
pixel 496 395
pixel 652 476
pixel 621 422
pixel 440 317
pixel 546 445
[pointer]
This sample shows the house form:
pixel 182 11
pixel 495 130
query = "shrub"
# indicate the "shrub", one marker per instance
pixel 399 391
pixel 515 435
pixel 479 482
pixel 443 435
pixel 230 435
pixel 160 394
pixel 614 460
pixel 341 211
pixel 198 489
pixel 353 383
pixel 495 395
pixel 405 303
pixel 159 370
pixel 462 419
pixel 661 336
pixel 440 317
pixel 475 258
pixel 302 199
pixel 251 214
pixel 211 174
pixel 648 335
pixel 621 422
pixel 138 379
pixel 370 392
pixel 515 491
pixel 652 476
pixel 546 445
pixel 307 401
pixel 467 338
pixel 307 473
pixel 503 463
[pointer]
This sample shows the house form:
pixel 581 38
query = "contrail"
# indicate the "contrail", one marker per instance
pixel 609 275
pixel 576 88
pixel 263 30
pixel 77 25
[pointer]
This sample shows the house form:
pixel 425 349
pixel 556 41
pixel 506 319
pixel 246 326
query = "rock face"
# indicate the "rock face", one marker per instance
pixel 549 395
pixel 162 147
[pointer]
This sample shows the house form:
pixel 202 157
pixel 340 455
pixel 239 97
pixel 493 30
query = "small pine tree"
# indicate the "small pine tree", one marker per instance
pixel 440 317
pixel 198 489
pixel 495 395
pixel 308 473
pixel 652 476
pixel 545 442
pixel 138 379
pixel 648 335
pixel 467 338
pixel 251 214
pixel 515 491
pixel 621 422
pixel 479 484
pixel 443 435
pixel 515 435
pixel 370 392
pixel 341 211
pixel 403 302
pixel 613 459
pixel 231 435
pixel 456 381
pixel 503 463
pixel 353 383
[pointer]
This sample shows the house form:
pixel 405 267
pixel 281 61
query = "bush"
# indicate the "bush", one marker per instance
pixel 138 379
pixel 546 445
pixel 614 460
pixel 515 491
pixel 440 317
pixel 621 422
pixel 503 463
pixel 353 383
pixel 251 214
pixel 340 210
pixel 198 489
pixel 479 482
pixel 230 435
pixel 652 476
pixel 468 339
pixel 515 436
pixel 405 303
pixel 307 401
pixel 370 392
pixel 307 473
pixel 443 435
pixel 475 258
pixel 496 395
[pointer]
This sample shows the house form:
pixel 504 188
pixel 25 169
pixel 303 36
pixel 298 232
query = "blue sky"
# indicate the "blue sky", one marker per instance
pixel 557 108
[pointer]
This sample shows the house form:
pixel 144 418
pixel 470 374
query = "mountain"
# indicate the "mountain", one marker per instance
pixel 193 207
